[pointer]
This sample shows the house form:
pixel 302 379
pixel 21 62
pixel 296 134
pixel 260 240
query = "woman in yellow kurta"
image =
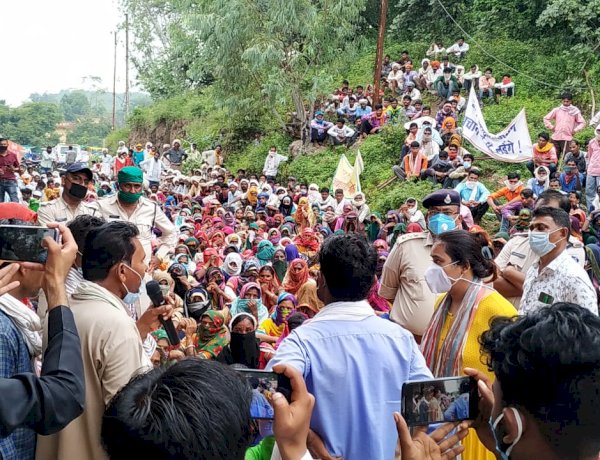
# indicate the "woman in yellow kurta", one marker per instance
pixel 451 341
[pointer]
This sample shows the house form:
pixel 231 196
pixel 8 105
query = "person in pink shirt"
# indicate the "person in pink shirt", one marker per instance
pixel 592 181
pixel 567 121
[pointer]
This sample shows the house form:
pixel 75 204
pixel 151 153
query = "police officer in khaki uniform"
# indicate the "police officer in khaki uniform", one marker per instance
pixel 129 205
pixel 70 204
pixel 402 281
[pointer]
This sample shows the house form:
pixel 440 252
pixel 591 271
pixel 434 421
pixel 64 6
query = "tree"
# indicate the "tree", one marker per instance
pixel 32 123
pixel 89 132
pixel 271 52
pixel 75 105
pixel 163 51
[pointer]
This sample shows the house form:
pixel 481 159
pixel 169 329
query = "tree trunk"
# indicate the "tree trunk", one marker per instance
pixel 301 116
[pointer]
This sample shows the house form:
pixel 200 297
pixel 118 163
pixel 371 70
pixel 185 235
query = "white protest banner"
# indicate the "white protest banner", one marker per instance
pixel 347 177
pixel 512 145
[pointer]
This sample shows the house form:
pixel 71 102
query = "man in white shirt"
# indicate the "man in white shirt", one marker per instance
pixel 340 202
pixel 326 200
pixel 153 169
pixel 272 163
pixel 340 134
pixel 459 49
pixel 556 277
pixel 517 257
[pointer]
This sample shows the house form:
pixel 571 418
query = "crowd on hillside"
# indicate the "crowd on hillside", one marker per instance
pixel 260 271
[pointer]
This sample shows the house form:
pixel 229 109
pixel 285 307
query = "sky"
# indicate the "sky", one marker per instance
pixel 47 46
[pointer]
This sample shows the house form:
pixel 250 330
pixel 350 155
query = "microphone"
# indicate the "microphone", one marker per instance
pixel 157 298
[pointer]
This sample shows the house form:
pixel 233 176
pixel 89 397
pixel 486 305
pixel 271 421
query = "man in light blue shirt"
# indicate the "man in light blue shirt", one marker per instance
pixel 474 195
pixel 353 362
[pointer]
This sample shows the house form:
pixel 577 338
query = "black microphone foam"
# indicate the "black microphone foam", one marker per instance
pixel 157 298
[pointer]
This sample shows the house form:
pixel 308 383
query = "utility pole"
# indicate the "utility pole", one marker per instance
pixel 379 56
pixel 114 92
pixel 126 66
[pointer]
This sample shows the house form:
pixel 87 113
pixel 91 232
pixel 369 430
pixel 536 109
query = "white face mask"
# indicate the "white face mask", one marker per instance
pixel 470 183
pixel 512 187
pixel 437 279
pixel 597 135
pixel 412 211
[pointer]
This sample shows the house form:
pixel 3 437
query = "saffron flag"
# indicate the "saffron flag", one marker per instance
pixel 511 145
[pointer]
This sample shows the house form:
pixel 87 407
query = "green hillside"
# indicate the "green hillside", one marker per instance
pixel 267 64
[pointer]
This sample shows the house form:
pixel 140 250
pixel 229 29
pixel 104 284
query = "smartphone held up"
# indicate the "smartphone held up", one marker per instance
pixel 23 243
pixel 264 384
pixel 451 399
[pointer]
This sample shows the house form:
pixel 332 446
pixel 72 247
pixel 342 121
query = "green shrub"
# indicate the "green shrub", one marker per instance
pixel 112 140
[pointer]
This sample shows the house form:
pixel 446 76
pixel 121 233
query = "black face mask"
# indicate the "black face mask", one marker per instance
pixel 3 148
pixel 78 191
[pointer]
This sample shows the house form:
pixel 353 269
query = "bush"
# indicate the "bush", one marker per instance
pixel 112 140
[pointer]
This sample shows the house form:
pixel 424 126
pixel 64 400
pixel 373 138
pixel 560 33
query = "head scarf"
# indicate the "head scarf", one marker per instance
pixel 212 339
pixel 252 195
pixel 277 316
pixel 294 280
pixel 291 252
pixel 286 209
pixel 244 347
pixel 265 252
pixel 280 266
pixel 233 264
pixel 308 240
pixel 196 308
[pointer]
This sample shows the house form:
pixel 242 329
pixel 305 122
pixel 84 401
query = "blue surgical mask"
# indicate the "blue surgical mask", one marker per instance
pixel 505 455
pixel 540 243
pixel 131 297
pixel 440 223
pixel 466 164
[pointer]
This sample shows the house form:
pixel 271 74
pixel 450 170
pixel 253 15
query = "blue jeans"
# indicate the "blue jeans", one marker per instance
pixel 10 187
pixel 591 185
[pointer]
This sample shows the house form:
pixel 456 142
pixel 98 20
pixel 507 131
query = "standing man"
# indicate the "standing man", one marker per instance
pixel 70 204
pixel 47 163
pixel 111 341
pixel 129 205
pixel 517 257
pixel 176 155
pixel 555 277
pixel 9 164
pixel 153 168
pixel 592 178
pixel 338 346
pixel 402 281
pixel 108 162
pixel 272 163
pixel 70 156
pixel 567 121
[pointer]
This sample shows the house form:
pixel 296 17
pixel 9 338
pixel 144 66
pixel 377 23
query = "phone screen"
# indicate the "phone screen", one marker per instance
pixel 263 385
pixel 22 243
pixel 440 400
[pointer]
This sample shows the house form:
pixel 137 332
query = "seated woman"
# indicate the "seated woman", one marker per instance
pixel 264 252
pixel 307 242
pixel 167 285
pixel 250 301
pixel 270 286
pixel 243 347
pixel 212 336
pixel 272 328
pixel 296 276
